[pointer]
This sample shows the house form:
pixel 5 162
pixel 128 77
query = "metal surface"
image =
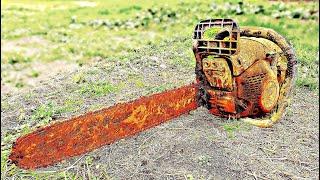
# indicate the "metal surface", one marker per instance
pixel 82 134
pixel 252 78
pixel 227 45
pixel 217 73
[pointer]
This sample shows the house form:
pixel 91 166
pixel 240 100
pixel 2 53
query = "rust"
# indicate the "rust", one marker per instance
pixel 243 72
pixel 84 133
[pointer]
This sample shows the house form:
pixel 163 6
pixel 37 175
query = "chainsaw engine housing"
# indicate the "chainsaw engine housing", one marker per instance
pixel 240 72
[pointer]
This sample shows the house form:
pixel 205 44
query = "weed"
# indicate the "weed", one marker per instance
pixel 34 73
pixel 234 126
pixel 126 10
pixel 78 78
pixel 139 83
pixel 44 112
pixel 70 105
pixel 189 177
pixel 15 58
pixel 104 12
pixel 19 84
pixel 5 105
pixel 28 96
pixel 98 89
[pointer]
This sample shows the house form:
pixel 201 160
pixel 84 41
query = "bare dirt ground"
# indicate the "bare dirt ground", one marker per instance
pixel 194 146
pixel 30 47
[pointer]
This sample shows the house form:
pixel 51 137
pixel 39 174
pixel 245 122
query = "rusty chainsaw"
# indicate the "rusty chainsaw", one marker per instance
pixel 245 73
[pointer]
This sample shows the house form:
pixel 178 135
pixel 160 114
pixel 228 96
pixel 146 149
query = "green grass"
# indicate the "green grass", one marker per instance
pixel 96 89
pixel 44 112
pixel 102 29
pixel 15 58
pixel 235 126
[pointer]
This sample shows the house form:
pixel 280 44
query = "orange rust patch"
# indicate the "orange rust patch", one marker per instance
pixel 84 133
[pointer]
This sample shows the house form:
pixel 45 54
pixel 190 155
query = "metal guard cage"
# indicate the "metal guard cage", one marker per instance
pixel 217 46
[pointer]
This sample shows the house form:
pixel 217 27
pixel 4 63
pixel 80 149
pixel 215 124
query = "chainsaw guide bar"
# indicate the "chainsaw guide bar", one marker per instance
pixel 81 134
